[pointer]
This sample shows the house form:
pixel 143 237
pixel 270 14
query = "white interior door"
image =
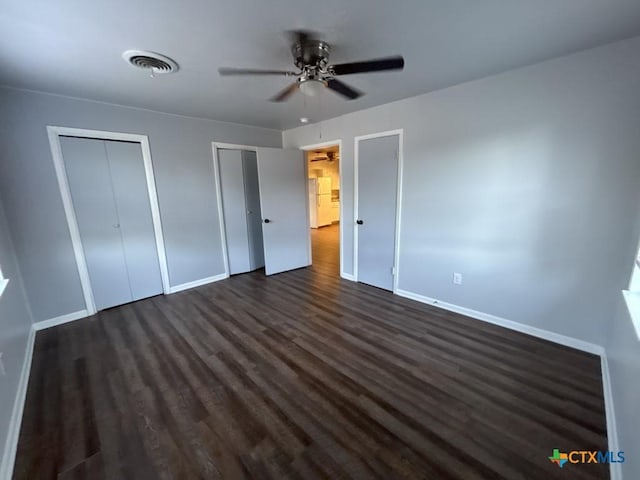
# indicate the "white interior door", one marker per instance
pixel 283 198
pixel 376 217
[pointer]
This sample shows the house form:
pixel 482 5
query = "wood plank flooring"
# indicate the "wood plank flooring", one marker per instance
pixel 302 376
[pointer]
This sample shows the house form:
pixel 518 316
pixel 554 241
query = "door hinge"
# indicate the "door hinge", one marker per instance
pixel 393 270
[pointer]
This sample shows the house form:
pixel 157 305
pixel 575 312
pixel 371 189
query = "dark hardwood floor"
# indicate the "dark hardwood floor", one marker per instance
pixel 303 375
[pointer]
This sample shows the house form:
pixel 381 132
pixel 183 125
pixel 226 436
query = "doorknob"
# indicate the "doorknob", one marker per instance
pixel 117 225
pixel 266 220
pixel 359 222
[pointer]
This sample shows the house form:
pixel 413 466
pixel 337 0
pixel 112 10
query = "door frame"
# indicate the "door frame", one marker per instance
pixel 396 254
pixel 54 133
pixel 313 146
pixel 216 175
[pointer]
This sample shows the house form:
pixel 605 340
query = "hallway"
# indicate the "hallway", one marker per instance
pixel 325 249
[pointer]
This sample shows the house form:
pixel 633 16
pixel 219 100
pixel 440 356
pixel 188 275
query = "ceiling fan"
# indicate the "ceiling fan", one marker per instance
pixel 322 156
pixel 311 56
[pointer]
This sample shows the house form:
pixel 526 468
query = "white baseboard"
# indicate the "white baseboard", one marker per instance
pixel 198 283
pixel 503 322
pixel 69 317
pixel 13 435
pixel 348 276
pixel 615 469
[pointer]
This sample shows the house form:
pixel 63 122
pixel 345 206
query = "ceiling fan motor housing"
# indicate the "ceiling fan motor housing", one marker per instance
pixel 312 54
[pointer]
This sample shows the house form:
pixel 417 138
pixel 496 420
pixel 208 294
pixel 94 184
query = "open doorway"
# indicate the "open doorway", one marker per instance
pixel 241 210
pixel 323 171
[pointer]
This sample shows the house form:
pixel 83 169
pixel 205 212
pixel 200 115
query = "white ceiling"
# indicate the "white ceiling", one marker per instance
pixel 74 47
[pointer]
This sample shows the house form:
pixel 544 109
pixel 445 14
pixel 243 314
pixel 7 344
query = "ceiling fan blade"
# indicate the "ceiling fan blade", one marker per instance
pixel 377 65
pixel 343 89
pixel 286 93
pixel 253 71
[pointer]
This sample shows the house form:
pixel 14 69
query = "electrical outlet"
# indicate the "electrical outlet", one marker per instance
pixel 457 278
pixel 2 370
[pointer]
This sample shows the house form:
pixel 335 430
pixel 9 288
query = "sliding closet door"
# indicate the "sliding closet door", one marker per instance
pixel 234 210
pixel 254 216
pixel 89 178
pixel 136 222
pixel 377 192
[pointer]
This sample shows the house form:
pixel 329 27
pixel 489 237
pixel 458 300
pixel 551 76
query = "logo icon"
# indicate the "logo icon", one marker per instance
pixel 585 456
pixel 559 458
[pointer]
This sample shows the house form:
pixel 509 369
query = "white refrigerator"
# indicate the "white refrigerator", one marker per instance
pixel 320 201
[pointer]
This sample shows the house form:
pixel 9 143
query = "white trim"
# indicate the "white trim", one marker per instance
pixel 396 257
pixel 218 184
pixel 396 253
pixel 354 225
pixel 198 283
pixel 13 435
pixel 155 212
pixel 69 317
pixel 72 223
pixel 511 325
pixel 54 134
pixel 216 176
pixel 340 162
pixel 346 276
pixel 235 146
pixel 632 301
pixel 307 207
pixel 3 284
pixel 615 469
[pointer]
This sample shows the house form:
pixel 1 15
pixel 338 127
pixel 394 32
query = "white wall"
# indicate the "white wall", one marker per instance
pixel 183 167
pixel 524 182
pixel 528 183
pixel 15 323
pixel 623 356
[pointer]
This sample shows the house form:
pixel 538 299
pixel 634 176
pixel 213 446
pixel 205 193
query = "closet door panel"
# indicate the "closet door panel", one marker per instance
pixel 254 215
pixel 134 211
pixel 89 179
pixel 234 210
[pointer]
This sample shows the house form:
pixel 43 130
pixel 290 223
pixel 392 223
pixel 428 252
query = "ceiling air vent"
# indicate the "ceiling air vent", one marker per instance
pixel 151 61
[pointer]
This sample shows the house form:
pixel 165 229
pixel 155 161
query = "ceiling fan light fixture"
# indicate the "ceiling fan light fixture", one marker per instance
pixel 311 87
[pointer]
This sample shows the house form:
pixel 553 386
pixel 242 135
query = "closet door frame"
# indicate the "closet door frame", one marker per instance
pixel 396 253
pixel 216 174
pixel 54 134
